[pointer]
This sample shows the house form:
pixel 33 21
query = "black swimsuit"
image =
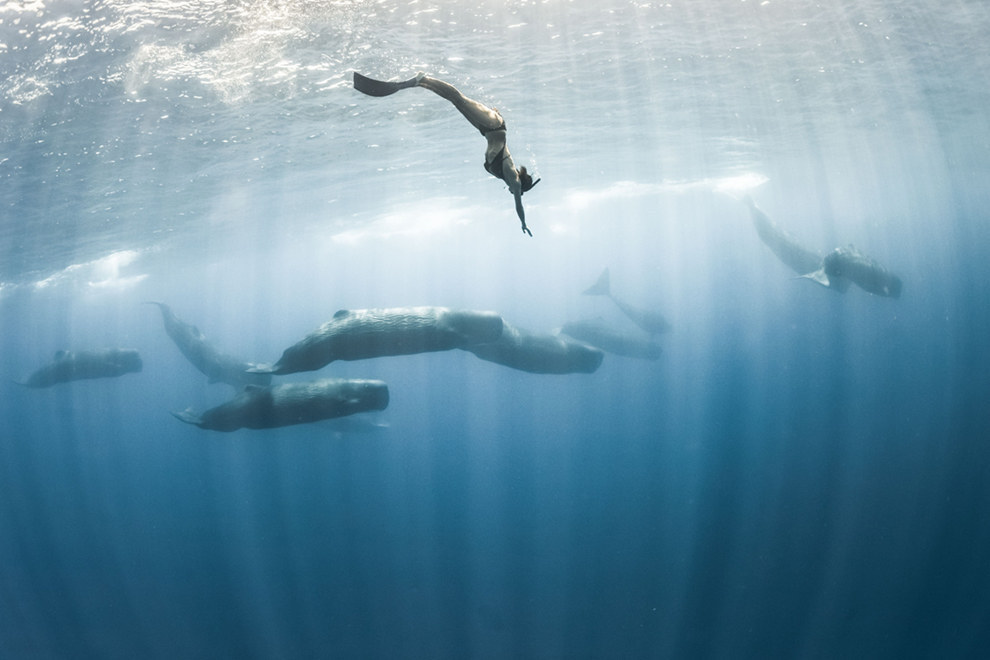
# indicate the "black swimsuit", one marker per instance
pixel 495 167
pixel 486 131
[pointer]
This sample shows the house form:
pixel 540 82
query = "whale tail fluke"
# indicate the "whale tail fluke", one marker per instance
pixel 189 417
pixel 373 87
pixel 601 287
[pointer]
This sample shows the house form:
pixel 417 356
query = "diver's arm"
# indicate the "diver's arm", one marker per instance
pixel 522 214
pixel 510 175
pixel 511 178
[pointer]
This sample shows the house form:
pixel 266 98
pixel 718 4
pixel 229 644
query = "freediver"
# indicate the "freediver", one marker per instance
pixel 487 120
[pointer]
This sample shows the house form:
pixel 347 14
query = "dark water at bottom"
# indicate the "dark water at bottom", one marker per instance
pixel 755 509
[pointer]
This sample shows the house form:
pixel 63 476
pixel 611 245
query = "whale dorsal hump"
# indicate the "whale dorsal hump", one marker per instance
pixel 342 313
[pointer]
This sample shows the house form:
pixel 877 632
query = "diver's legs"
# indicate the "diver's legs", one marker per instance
pixel 481 116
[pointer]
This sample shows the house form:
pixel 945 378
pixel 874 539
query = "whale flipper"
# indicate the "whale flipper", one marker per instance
pixel 373 87
pixel 819 276
pixel 189 417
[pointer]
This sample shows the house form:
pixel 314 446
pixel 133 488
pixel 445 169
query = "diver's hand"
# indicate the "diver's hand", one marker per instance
pixel 522 214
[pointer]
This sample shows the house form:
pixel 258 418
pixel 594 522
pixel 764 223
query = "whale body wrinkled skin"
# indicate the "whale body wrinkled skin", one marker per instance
pixel 599 334
pixel 218 367
pixel 539 353
pixel 371 333
pixel 847 264
pixel 791 253
pixel 650 321
pixel 68 366
pixel 292 403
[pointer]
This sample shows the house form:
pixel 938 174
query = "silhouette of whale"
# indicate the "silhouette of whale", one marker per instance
pixel 652 322
pixel 68 366
pixel 291 403
pixel 371 333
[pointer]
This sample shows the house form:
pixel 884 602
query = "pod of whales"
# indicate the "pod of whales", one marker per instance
pixel 292 403
pixel 577 347
pixel 68 366
pixel 651 322
pixel 218 367
pixel 599 334
pixel 539 353
pixel 372 333
pixel 837 270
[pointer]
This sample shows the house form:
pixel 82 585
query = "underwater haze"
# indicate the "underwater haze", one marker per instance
pixel 802 473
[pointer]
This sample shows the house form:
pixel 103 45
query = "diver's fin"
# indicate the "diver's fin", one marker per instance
pixel 373 87
pixel 189 417
pixel 601 287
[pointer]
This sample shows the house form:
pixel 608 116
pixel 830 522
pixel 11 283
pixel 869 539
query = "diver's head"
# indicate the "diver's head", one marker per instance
pixel 525 180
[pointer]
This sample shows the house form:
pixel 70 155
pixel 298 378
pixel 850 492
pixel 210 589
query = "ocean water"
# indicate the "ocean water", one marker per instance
pixel 803 473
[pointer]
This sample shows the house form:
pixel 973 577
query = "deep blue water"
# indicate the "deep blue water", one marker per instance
pixel 802 473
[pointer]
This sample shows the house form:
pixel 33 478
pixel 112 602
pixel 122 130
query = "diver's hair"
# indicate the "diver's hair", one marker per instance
pixel 525 180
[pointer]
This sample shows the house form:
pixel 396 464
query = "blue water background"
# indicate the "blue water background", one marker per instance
pixel 802 474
